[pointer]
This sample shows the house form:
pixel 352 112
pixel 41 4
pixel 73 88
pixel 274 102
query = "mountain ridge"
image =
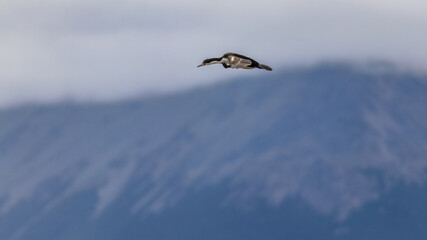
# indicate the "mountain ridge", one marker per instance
pixel 333 136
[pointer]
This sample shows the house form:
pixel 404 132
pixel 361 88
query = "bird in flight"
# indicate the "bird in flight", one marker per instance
pixel 234 60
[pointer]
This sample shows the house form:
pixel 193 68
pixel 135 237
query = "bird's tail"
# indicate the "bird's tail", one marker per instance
pixel 263 66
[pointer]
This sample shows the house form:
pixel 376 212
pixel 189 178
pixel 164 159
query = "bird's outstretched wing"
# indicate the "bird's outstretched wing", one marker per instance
pixel 237 62
pixel 241 63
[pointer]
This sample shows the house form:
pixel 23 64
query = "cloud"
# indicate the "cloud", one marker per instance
pixel 97 50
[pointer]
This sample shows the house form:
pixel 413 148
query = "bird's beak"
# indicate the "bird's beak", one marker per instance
pixel 201 65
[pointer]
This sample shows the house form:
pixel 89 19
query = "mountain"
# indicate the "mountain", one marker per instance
pixel 333 151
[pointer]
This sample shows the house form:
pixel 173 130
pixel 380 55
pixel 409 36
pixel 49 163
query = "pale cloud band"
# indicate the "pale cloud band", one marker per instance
pixel 105 50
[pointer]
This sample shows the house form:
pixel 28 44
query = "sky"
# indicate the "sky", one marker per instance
pixel 97 50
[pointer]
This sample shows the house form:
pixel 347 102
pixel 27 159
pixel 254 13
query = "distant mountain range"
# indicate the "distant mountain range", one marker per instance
pixel 334 151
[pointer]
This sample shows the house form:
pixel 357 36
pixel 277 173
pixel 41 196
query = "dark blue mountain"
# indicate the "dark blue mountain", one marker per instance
pixel 335 151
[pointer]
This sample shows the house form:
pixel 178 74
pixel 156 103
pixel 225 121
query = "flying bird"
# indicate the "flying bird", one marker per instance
pixel 234 60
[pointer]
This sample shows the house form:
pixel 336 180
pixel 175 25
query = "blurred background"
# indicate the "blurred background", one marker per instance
pixel 109 131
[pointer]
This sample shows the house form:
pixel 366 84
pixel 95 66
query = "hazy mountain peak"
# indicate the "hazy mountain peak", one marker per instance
pixel 333 136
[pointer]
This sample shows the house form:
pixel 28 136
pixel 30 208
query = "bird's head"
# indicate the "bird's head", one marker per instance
pixel 210 61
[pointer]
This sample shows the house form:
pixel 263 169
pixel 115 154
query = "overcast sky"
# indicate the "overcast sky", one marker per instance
pixel 90 50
